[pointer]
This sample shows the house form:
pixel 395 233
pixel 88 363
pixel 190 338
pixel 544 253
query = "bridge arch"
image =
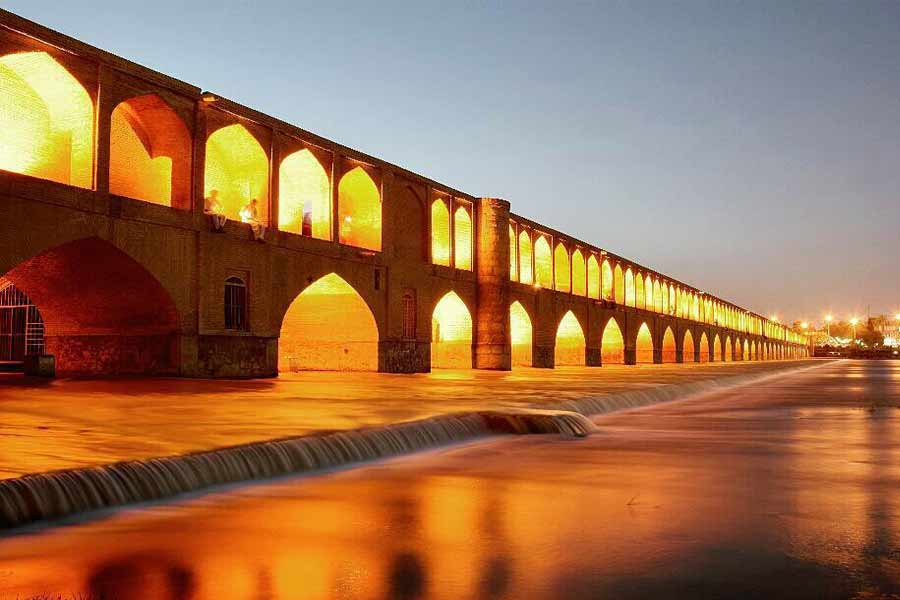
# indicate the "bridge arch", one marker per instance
pixel 451 333
pixel 103 312
pixel 526 266
pixel 236 171
pixel 304 196
pixel 687 347
pixel 639 298
pixel 46 120
pixel 643 345
pixel 150 153
pixel 745 354
pixel 593 277
pixel 359 210
pixel 669 347
pixel 612 344
pixel 629 288
pixel 579 274
pixel 606 281
pixel 328 327
pixel 619 284
pixel 561 268
pixel 569 348
pixel 462 238
pixel 704 348
pixel 543 263
pixel 521 334
pixel 729 351
pixel 718 348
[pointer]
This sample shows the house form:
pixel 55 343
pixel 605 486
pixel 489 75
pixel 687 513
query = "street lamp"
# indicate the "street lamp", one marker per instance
pixel 853 322
pixel 828 320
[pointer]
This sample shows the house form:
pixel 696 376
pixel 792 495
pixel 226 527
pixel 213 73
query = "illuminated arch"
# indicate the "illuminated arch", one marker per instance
pixel 738 349
pixel 607 281
pixel 643 347
pixel 238 168
pixel 729 352
pixel 561 268
pixel 150 153
pixel 673 300
pixel 513 255
pixel 570 343
pixel 451 334
pixel 543 263
pixel 746 352
pixel 579 274
pixel 619 284
pixel 462 239
pixel 669 347
pixel 704 348
pixel 665 298
pixel 612 344
pixel 687 347
pixel 648 293
pixel 526 274
pixel 46 120
pixel 657 296
pixel 520 334
pixel 359 210
pixel 328 327
pixel 717 349
pixel 593 276
pixel 304 196
pixel 639 298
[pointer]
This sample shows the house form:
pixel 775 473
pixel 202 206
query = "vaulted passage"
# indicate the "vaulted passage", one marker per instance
pixel 440 233
pixel 520 333
pixel 451 334
pixel 21 326
pixel 328 327
pixel 237 171
pixel 688 347
pixel 543 263
pixel 669 347
pixel 150 153
pixel 103 312
pixel 612 345
pixel 359 210
pixel 704 348
pixel 644 346
pixel 462 239
pixel 526 272
pixel 729 356
pixel 570 343
pixel 46 120
pixel 304 196
pixel 717 349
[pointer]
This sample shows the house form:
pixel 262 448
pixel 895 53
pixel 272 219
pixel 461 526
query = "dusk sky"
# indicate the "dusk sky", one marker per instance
pixel 751 149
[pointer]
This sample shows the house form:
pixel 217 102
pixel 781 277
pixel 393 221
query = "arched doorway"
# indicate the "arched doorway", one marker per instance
pixel 570 343
pixel 236 172
pixel 520 333
pixel 728 350
pixel 704 348
pixel 746 352
pixel 451 334
pixel 328 327
pixel 717 349
pixel 359 210
pixel 612 345
pixel 304 196
pixel 687 348
pixel 669 347
pixel 644 346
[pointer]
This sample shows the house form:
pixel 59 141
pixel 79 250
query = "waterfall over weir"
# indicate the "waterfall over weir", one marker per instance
pixel 58 494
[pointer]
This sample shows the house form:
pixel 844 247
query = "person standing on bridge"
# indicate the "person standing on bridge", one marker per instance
pixel 212 207
pixel 250 215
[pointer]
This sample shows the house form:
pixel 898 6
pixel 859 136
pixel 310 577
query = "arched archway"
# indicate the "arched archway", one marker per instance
pixel 328 327
pixel 717 349
pixel 304 196
pixel 440 233
pixel 237 171
pixel 526 272
pixel 103 312
pixel 513 255
pixel 46 120
pixel 570 343
pixel 579 274
pixel 359 210
pixel 451 334
pixel 607 280
pixel 639 298
pixel 520 334
pixel 543 263
pixel 612 345
pixel 669 347
pixel 687 347
pixel 629 287
pixel 462 239
pixel 619 284
pixel 704 348
pixel 643 347
pixel 745 355
pixel 738 349
pixel 150 153
pixel 729 353
pixel 593 275
pixel 561 268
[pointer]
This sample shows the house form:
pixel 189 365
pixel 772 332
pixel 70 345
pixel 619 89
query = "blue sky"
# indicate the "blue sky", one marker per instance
pixel 749 148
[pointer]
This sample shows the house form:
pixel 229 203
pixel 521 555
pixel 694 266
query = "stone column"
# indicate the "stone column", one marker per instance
pixel 492 341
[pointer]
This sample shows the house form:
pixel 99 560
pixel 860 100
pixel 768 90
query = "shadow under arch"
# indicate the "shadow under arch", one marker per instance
pixel 521 335
pixel 451 333
pixel 103 312
pixel 328 327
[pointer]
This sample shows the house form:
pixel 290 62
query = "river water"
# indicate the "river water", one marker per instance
pixel 784 489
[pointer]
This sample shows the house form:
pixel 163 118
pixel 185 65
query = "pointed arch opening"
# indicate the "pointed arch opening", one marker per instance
pixel 570 342
pixel 745 355
pixel 513 255
pixel 639 298
pixel 717 349
pixel 451 334
pixel 629 287
pixel 526 274
pixel 440 233
pixel 669 347
pixel 704 348
pixel 304 196
pixel 579 274
pixel 462 238
pixel 612 345
pixel 687 347
pixel 543 263
pixel 729 352
pixel 520 334
pixel 657 296
pixel 643 347
pixel 359 210
pixel 328 327
pixel 236 172
pixel 607 281
pixel 665 298
pixel 593 275
pixel 46 120
pixel 619 285
pixel 150 153
pixel 561 268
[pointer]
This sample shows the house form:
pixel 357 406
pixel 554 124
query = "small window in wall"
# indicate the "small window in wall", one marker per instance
pixel 235 304
pixel 409 315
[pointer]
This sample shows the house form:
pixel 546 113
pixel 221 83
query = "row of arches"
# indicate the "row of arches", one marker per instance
pixel 451 239
pixel 47 131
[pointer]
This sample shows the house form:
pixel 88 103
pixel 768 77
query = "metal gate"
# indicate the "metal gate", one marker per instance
pixel 21 326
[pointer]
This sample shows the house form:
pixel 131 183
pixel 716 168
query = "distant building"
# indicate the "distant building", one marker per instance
pixel 889 327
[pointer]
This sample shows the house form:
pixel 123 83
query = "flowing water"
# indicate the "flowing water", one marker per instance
pixel 787 488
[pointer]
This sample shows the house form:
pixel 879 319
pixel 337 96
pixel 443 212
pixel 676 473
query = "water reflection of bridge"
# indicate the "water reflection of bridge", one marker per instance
pixel 109 167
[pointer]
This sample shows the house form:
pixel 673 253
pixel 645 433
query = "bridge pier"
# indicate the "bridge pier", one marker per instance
pixel 492 341
pixel 592 357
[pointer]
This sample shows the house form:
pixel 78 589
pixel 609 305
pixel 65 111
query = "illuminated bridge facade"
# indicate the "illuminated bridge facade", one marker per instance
pixel 113 179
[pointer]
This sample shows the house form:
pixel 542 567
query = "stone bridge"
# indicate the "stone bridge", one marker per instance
pixel 127 220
